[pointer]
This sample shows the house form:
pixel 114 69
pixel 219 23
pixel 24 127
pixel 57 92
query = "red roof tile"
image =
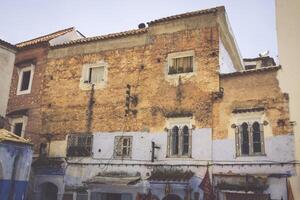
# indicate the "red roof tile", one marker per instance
pixel 187 14
pixel 44 38
pixel 141 30
pixel 104 37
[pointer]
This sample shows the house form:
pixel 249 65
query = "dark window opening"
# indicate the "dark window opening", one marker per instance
pixel 256 137
pixel 18 129
pixel 185 149
pixel 175 140
pixel 245 139
pixel 25 80
pixel 79 145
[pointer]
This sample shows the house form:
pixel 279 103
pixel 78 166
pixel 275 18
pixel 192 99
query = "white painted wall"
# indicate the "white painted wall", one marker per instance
pixel 7 59
pixel 73 35
pixel 225 62
pixel 288 31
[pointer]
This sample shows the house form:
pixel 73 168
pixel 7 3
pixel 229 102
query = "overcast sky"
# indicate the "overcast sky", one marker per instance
pixel 252 21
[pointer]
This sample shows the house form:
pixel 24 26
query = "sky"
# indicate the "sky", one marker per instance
pixel 253 21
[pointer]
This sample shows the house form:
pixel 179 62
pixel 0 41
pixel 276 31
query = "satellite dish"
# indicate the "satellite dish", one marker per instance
pixel 264 54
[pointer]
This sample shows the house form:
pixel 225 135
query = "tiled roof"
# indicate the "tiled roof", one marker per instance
pixel 44 38
pixel 8 45
pixel 104 37
pixel 6 135
pixel 171 175
pixel 141 30
pixel 187 14
pixel 244 72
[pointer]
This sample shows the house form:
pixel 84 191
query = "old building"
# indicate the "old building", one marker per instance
pixel 24 104
pixel 15 165
pixel 148 111
pixel 7 59
pixel 288 30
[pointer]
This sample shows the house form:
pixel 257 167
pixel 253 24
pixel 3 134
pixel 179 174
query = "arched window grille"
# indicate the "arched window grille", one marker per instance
pixel 179 141
pixel 185 141
pixel 256 137
pixel 175 140
pixel 245 139
pixel 250 139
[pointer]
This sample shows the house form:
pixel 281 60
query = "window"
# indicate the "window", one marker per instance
pixel 250 139
pixel 18 125
pixel 179 141
pixel 123 146
pixel 25 80
pixel 181 62
pixel 94 74
pixel 79 145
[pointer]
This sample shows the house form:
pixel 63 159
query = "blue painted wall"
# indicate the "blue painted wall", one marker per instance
pixel 15 165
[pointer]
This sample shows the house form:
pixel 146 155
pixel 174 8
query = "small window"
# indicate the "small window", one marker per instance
pixel 25 80
pixel 79 145
pixel 181 65
pixel 181 62
pixel 18 125
pixel 249 139
pixel 179 141
pixel 93 75
pixel 123 146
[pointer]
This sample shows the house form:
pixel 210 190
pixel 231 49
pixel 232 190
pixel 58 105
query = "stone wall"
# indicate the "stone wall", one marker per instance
pixel 65 104
pixel 251 90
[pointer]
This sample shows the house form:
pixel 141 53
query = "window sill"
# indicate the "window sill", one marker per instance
pixel 23 92
pixel 88 86
pixel 253 155
pixel 179 157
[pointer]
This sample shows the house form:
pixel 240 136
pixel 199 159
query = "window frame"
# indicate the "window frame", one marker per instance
pixel 88 146
pixel 20 79
pixel 180 123
pixel 119 147
pixel 22 120
pixel 85 83
pixel 183 54
pixel 238 138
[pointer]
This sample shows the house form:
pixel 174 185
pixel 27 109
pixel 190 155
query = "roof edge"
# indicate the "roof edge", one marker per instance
pixel 251 71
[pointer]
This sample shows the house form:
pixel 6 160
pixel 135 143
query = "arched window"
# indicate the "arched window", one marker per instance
pixel 256 137
pixel 185 140
pixel 175 140
pixel 244 139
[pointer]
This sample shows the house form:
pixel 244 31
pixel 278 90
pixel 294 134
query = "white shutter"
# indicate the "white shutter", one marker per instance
pixel 97 74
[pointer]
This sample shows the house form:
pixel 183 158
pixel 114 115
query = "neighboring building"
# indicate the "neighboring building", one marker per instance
pixel 7 59
pixel 288 31
pixel 147 111
pixel 24 105
pixel 15 163
pixel 258 62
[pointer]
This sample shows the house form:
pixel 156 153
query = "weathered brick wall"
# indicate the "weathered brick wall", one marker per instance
pixel 65 105
pixel 30 101
pixel 250 90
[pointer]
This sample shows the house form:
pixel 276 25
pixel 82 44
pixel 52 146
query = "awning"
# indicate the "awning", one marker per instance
pixel 114 179
pixel 171 175
pixel 8 136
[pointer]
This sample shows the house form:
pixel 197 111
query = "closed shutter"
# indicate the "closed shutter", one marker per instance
pixel 97 74
pixel 168 143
